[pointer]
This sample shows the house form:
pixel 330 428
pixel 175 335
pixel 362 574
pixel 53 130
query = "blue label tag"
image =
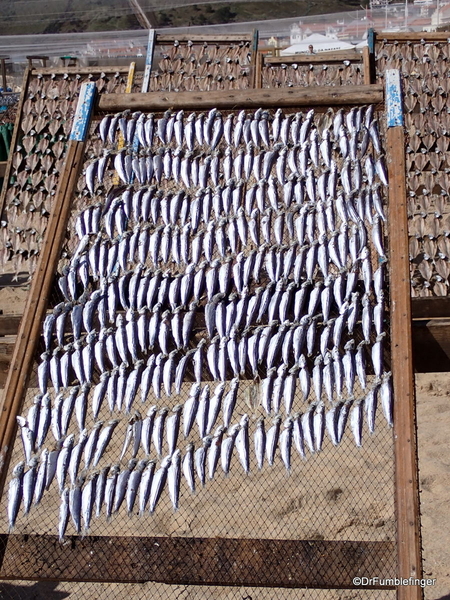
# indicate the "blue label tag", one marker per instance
pixel 83 112
pixel 394 106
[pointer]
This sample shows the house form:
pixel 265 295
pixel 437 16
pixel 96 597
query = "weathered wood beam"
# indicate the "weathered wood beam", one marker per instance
pixel 406 486
pixel 238 99
pixel 9 324
pixel 198 561
pixel 429 308
pixel 200 38
pixel 320 57
pixel 413 36
pixel 431 345
pixel 3 168
pixel 94 70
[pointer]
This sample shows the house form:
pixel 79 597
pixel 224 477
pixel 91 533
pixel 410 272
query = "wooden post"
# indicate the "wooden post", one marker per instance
pixel 258 70
pixel 406 486
pixel 4 81
pixel 14 138
pixel 254 61
pixel 30 326
pixel 149 61
pixel 366 65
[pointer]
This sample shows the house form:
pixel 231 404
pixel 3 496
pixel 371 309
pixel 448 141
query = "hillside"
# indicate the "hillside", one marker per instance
pixel 66 16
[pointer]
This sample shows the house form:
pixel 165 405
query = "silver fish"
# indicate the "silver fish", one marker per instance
pixel 272 440
pixel 174 478
pixel 88 499
pixel 110 489
pixel 103 441
pixel 242 444
pixel 214 451
pixel 200 459
pixel 188 467
pixel 64 514
pixel 133 484
pixel 145 485
pixel 356 422
pixel 386 398
pixel 226 450
pixel 75 496
pixel 260 442
pixel 286 443
pixel 100 490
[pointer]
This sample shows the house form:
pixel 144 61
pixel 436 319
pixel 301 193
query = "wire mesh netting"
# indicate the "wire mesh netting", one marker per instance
pixel 214 362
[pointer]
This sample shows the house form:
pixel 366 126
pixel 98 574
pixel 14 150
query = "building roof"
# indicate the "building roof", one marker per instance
pixel 320 43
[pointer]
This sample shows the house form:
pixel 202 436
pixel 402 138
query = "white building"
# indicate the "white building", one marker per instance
pixel 319 43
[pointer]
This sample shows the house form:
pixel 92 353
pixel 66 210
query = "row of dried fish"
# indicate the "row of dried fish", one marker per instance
pixel 293 168
pixel 179 82
pixel 261 128
pixel 137 479
pixel 294 75
pixel 170 333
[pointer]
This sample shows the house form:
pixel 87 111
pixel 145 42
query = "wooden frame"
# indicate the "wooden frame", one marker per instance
pixel 244 556
pixel 198 561
pixel 406 485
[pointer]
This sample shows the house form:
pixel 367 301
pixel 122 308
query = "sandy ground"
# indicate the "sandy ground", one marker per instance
pixel 433 419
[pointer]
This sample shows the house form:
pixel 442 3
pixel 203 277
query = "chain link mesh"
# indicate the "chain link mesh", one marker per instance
pixel 340 493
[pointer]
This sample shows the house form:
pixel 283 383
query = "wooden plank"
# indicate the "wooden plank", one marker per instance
pixel 3 164
pixel 9 324
pixel 394 113
pixel 93 70
pixel 258 71
pixel 14 139
pixel 239 99
pixel 371 40
pixel 320 57
pixel 254 60
pixel 431 345
pixel 30 326
pixel 406 485
pixel 82 116
pixel 198 561
pixel 367 65
pixel 200 38
pixel 148 61
pixel 429 308
pixel 413 36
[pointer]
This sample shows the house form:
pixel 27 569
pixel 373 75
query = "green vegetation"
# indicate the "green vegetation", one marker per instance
pixel 64 16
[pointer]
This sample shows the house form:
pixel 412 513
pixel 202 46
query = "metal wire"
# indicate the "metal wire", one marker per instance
pixel 339 493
